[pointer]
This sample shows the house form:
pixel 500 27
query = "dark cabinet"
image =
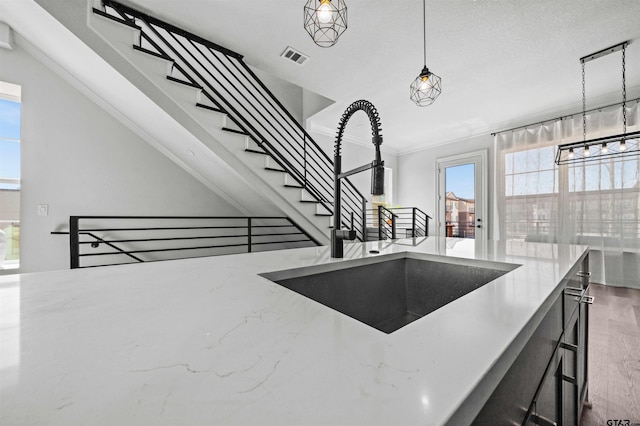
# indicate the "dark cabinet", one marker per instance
pixel 510 401
pixel 548 404
pixel 576 343
pixel 548 382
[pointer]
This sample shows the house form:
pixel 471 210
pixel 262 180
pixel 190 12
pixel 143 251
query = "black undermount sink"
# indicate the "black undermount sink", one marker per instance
pixel 391 291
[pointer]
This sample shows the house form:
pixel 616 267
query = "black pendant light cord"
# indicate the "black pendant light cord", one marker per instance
pixel 584 107
pixel 424 31
pixel 624 92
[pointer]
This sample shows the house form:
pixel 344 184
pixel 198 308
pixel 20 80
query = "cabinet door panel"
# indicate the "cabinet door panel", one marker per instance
pixel 570 361
pixel 509 402
pixel 583 351
pixel 549 403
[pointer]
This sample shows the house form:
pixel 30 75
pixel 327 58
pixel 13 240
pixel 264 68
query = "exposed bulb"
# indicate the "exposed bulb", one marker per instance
pixel 586 151
pixel 324 12
pixel 424 83
pixel 605 148
pixel 623 145
pixel 571 154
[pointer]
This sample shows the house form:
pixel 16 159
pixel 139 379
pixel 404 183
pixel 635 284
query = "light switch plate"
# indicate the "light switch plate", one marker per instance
pixel 43 210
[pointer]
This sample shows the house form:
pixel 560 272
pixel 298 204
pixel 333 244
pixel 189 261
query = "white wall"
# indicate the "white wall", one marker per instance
pixel 417 174
pixel 79 160
pixel 289 94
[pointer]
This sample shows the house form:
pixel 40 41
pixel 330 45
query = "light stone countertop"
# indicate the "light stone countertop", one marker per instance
pixel 208 341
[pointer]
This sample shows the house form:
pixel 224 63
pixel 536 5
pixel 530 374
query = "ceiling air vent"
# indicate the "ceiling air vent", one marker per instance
pixel 293 55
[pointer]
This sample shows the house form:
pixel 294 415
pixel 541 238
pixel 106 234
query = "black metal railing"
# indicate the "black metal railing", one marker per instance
pixel 460 230
pixel 113 240
pixel 233 88
pixel 398 222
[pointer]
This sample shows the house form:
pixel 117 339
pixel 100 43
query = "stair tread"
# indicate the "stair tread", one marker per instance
pixel 210 108
pixel 324 214
pixel 186 83
pixel 290 185
pixel 240 132
pixel 275 169
pixel 116 19
pixel 310 201
pixel 255 151
pixel 151 52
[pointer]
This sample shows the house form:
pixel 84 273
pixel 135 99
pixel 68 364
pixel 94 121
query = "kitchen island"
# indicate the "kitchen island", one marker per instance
pixel 209 341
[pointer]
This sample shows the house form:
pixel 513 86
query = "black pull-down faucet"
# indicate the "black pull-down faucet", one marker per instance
pixel 376 166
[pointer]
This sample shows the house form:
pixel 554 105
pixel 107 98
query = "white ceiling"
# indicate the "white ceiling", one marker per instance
pixel 502 63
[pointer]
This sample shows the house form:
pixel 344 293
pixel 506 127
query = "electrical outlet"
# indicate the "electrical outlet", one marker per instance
pixel 43 210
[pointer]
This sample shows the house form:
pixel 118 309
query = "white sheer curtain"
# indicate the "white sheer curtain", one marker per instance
pixel 595 203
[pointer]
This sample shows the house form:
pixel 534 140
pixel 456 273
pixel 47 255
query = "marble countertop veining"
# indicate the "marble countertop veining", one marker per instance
pixel 209 341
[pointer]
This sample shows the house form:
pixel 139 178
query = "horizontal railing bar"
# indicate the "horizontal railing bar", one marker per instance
pixel 146 240
pixel 191 248
pixel 185 217
pixel 165 249
pixel 205 237
pixel 162 228
pixel 277 242
pixel 86 230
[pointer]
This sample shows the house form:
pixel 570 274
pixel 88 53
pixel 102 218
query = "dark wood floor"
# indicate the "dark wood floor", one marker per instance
pixel 614 356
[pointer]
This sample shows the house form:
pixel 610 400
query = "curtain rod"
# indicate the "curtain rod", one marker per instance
pixel 562 117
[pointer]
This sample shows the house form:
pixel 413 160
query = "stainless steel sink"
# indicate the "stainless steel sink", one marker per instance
pixel 391 291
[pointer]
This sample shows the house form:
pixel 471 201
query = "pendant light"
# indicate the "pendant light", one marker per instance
pixel 427 86
pixel 325 20
pixel 626 143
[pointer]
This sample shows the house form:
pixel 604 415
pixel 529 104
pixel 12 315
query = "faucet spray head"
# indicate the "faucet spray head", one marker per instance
pixel 377 178
pixel 377 169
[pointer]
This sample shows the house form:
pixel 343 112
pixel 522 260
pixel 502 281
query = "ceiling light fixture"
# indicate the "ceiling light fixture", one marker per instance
pixel 609 146
pixel 325 20
pixel 427 86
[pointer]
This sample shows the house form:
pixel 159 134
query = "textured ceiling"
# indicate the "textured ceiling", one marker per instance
pixel 502 63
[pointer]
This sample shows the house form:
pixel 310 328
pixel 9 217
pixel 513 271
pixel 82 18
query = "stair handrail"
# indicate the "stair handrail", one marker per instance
pixel 252 223
pixel 318 188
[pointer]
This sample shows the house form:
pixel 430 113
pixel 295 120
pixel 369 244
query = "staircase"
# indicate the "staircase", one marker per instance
pixel 243 122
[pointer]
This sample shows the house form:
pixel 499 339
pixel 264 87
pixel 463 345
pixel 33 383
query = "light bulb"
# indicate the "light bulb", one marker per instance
pixel 586 151
pixel 571 155
pixel 604 149
pixel 424 82
pixel 623 145
pixel 324 12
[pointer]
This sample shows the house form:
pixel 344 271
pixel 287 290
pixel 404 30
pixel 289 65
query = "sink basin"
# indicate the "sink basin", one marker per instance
pixel 391 291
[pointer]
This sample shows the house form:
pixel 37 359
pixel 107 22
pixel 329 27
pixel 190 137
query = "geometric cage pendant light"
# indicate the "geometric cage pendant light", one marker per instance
pixel 426 88
pixel 325 20
pixel 615 146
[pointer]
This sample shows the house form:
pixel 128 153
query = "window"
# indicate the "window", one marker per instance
pixel 9 175
pixel 594 203
pixel 531 189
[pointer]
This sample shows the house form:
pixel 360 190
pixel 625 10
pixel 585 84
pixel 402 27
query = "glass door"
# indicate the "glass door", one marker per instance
pixel 462 196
